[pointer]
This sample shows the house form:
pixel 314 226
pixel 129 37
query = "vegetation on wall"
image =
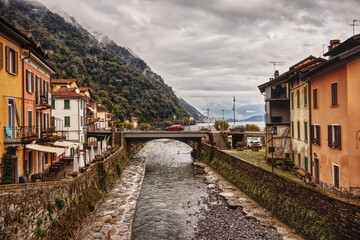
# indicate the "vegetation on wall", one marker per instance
pixel 252 127
pixel 76 53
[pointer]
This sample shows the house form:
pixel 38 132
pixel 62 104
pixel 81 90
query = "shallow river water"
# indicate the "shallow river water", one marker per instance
pixel 171 193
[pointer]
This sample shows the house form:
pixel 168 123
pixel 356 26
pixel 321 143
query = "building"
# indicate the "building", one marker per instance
pixel 69 113
pixel 104 118
pixel 299 111
pixel 335 116
pixel 277 120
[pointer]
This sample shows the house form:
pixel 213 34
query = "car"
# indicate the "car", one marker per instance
pixel 175 128
pixel 238 128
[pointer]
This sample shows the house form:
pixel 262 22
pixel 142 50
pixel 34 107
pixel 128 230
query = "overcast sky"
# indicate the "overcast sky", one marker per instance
pixel 208 50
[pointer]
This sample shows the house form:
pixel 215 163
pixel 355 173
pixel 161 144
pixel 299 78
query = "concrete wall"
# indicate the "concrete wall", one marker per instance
pixel 313 214
pixel 22 206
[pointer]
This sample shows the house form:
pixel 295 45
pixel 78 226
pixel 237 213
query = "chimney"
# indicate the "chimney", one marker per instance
pixel 276 74
pixel 333 44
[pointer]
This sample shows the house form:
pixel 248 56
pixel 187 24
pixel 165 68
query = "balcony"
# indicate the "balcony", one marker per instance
pixel 44 102
pixel 20 135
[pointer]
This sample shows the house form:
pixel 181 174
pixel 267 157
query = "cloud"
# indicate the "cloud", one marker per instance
pixel 209 50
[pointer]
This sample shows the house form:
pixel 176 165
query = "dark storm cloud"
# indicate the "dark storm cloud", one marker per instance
pixel 211 50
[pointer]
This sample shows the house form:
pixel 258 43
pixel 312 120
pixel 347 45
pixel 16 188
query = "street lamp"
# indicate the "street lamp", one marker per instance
pixel 273 131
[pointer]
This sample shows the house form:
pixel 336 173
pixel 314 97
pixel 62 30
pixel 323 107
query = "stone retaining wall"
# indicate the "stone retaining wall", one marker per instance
pixel 56 210
pixel 313 214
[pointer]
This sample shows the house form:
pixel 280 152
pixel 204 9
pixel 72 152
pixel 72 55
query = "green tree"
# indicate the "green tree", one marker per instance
pixel 252 127
pixel 145 126
pixel 221 125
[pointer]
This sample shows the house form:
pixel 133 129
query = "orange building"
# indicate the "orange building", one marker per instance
pixel 335 116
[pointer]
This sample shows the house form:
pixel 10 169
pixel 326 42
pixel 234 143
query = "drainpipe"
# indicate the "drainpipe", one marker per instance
pixel 23 108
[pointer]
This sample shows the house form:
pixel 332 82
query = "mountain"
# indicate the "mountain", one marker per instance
pixel 118 79
pixel 257 118
pixel 192 111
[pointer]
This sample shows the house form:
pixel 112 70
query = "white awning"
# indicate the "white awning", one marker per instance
pixel 65 144
pixel 90 109
pixel 42 148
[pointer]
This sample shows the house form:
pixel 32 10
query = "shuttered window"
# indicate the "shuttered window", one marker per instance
pixel 305 96
pixel 30 120
pixel 305 131
pixel 334 94
pixel 11 60
pixel 315 134
pixel 32 82
pixel 336 170
pixel 66 121
pixel 330 133
pixel 292 129
pixel 292 100
pixel 1 56
pixel 29 81
pixel 334 136
pixel 298 130
pixel 315 98
pixel 298 97
pixel 66 104
pixel 306 164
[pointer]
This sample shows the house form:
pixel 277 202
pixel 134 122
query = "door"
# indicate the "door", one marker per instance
pixel 317 170
pixel 11 118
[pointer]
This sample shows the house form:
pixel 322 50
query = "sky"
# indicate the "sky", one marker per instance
pixel 211 50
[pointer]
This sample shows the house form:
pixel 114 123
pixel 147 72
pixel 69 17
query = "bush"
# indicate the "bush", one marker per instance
pixel 40 232
pixel 60 202
pixel 252 127
pixel 240 144
pixel 221 125
pixel 145 126
pixel 203 129
pixel 40 221
pixel 56 222
pixel 129 125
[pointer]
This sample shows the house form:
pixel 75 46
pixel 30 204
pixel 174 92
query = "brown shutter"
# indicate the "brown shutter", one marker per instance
pixel 27 80
pixel 32 82
pixel 7 56
pixel 1 56
pixel 339 138
pixel 329 135
pixel 318 134
pixel 16 62
pixel 312 133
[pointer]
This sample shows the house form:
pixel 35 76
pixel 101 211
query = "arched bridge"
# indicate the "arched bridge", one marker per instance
pixel 193 139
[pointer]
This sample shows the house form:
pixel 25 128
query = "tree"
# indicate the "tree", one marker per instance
pixel 221 124
pixel 145 126
pixel 252 127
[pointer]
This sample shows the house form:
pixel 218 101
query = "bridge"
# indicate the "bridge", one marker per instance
pixel 193 139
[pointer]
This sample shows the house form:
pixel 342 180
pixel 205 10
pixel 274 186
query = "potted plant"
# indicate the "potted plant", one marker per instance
pixel 256 146
pixel 240 146
pixel 82 169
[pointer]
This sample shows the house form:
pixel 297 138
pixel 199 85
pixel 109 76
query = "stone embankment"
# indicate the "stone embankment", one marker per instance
pixel 231 214
pixel 114 217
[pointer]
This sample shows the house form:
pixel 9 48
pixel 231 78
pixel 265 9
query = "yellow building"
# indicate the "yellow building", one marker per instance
pixel 11 94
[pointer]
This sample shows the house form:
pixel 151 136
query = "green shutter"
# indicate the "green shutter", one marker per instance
pixel 306 164
pixel 66 104
pixel 53 103
pixel 67 121
pixel 298 129
pixel 32 82
pixel 305 130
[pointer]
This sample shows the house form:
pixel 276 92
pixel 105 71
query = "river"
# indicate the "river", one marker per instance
pixel 170 194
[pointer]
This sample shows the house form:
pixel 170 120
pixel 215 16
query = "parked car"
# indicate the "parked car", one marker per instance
pixel 175 128
pixel 238 128
pixel 252 140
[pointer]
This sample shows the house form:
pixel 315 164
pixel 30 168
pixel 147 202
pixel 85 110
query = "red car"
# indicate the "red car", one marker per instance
pixel 175 128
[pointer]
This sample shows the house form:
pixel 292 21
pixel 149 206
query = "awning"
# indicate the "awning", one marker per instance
pixel 90 109
pixel 42 148
pixel 65 144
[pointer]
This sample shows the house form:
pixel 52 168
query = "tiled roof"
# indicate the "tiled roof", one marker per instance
pixel 66 93
pixel 83 89
pixel 59 81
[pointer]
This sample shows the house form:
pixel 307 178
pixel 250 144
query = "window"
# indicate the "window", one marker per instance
pixel 38 89
pixel 292 129
pixel 298 129
pixel 53 103
pixel 67 121
pixel 66 104
pixel 298 97
pixel 81 104
pixel 292 100
pixel 46 158
pixel 334 136
pixel 306 164
pixel 29 81
pixel 46 121
pixel 81 122
pixel 315 98
pixel 305 131
pixel 334 94
pixel 278 91
pixel 305 96
pixel 11 60
pixel 315 134
pixel 299 160
pixel 293 156
pixel 336 170
pixel 30 121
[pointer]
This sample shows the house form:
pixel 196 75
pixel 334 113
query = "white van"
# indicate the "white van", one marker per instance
pixel 251 140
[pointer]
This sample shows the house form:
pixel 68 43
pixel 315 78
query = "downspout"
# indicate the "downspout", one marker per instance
pixel 23 106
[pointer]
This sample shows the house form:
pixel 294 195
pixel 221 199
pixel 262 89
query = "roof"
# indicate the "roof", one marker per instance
pixel 65 144
pixel 42 148
pixel 62 81
pixel 65 94
pixel 295 70
pixel 350 43
pixel 83 89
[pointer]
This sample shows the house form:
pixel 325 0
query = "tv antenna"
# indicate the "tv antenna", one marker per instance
pixel 323 51
pixel 276 64
pixel 353 25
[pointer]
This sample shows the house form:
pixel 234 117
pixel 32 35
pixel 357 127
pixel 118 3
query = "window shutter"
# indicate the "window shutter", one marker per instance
pixel 7 56
pixel 40 90
pixel 317 134
pixel 1 56
pixel 329 135
pixel 32 82
pixel 27 80
pixel 339 137
pixel 16 63
pixel 312 133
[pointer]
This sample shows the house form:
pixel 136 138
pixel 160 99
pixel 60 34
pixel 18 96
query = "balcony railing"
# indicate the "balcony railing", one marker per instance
pixel 20 134
pixel 43 101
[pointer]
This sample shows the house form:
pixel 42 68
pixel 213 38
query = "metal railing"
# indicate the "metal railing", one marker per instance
pixel 341 192
pixel 25 133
